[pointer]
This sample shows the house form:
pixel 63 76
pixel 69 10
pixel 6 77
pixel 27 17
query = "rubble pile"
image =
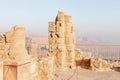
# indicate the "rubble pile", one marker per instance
pixel 100 65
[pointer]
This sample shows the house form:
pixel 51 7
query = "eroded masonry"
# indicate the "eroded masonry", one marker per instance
pixel 62 46
pixel 13 55
pixel 17 64
pixel 62 41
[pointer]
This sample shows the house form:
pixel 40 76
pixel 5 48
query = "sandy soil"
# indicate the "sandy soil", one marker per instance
pixel 85 74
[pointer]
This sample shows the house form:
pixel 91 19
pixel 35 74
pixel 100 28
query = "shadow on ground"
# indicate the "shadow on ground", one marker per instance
pixel 116 69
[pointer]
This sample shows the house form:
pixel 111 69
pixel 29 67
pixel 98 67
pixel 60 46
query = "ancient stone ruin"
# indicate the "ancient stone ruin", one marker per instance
pixel 62 41
pixel 12 44
pixel 16 37
pixel 16 64
pixel 13 54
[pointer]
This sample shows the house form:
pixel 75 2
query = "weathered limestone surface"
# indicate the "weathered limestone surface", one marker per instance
pixel 62 41
pixel 12 44
pixel 16 60
pixel 17 72
pixel 100 65
pixel 46 69
pixel 16 38
pixel 1 70
pixel 86 61
pixel 4 47
pixel 82 59
pixel 34 69
pixel 14 54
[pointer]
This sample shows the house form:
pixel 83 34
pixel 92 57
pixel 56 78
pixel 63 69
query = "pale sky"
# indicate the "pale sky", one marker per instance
pixel 99 18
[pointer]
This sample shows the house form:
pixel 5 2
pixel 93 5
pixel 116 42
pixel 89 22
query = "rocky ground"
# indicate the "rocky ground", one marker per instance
pixel 85 74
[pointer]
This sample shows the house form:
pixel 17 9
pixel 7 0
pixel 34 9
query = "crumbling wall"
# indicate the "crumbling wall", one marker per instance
pixel 82 59
pixel 56 43
pixel 16 38
pixel 100 65
pixel 14 54
pixel 12 44
pixel 1 70
pixel 17 61
pixel 62 41
pixel 70 42
pixel 4 47
pixel 85 60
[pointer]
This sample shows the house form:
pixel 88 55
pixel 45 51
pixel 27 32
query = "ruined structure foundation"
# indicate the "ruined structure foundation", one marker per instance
pixel 16 61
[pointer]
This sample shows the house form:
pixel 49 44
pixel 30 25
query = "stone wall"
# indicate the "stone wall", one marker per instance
pixel 100 65
pixel 82 59
pixel 62 41
pixel 16 37
pixel 14 54
pixel 17 64
pixel 12 44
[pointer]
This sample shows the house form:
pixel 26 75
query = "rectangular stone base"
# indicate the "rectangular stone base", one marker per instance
pixel 1 70
pixel 16 71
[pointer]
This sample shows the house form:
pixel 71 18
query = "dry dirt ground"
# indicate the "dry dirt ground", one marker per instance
pixel 85 74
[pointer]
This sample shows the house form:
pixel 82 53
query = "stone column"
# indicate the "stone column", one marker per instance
pixel 17 65
pixel 62 41
pixel 16 38
pixel 57 40
pixel 70 42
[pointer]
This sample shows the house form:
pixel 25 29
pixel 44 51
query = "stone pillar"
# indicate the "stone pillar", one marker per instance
pixel 1 70
pixel 16 38
pixel 57 40
pixel 69 42
pixel 62 41
pixel 17 64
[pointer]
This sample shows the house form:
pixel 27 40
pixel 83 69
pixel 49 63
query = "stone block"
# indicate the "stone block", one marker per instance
pixel 51 26
pixel 60 41
pixel 60 60
pixel 16 71
pixel 68 18
pixel 51 35
pixel 51 40
pixel 70 47
pixel 60 16
pixel 69 38
pixel 60 27
pixel 46 68
pixel 68 27
pixel 60 34
pixel 100 65
pixel 16 38
pixel 1 70
pixel 61 48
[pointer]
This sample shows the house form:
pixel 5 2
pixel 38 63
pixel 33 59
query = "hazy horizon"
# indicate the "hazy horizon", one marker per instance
pixel 92 18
